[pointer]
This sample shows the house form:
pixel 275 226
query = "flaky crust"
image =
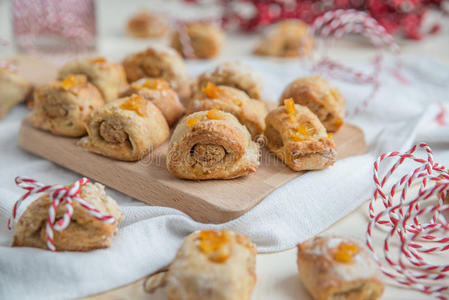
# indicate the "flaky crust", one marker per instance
pixel 13 90
pixel 288 38
pixel 323 99
pixel 147 25
pixel 84 232
pixel 63 111
pixel 313 152
pixel 123 134
pixel 205 39
pixel 236 75
pixel 107 76
pixel 328 279
pixel 212 149
pixel 249 112
pixel 193 276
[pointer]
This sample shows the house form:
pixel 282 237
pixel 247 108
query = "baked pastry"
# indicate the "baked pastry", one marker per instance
pixel 211 145
pixel 84 232
pixel 198 40
pixel 159 92
pixel 323 99
pixel 296 136
pixel 249 112
pixel 125 129
pixel 13 89
pixel 338 268
pixel 108 77
pixel 218 265
pixel 290 38
pixel 235 75
pixel 159 62
pixel 145 24
pixel 62 107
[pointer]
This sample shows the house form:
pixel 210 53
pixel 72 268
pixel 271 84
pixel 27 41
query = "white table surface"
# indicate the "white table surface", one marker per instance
pixel 277 277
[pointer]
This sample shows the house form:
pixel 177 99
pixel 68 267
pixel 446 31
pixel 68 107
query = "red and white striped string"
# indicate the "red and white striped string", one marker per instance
pixel 411 219
pixel 58 195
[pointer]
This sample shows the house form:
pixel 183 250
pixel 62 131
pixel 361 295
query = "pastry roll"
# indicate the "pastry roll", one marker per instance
pixel 62 107
pixel 323 99
pixel 296 136
pixel 84 232
pixel 108 77
pixel 217 265
pixel 338 268
pixel 159 62
pixel 211 145
pixel 159 92
pixel 13 89
pixel 147 25
pixel 204 40
pixel 235 75
pixel 125 129
pixel 290 38
pixel 249 112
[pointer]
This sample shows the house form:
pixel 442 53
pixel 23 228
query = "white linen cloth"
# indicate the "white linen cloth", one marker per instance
pixel 149 237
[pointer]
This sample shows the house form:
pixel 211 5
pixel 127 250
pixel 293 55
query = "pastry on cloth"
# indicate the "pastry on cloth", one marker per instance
pixel 219 265
pixel 108 77
pixel 125 129
pixel 159 62
pixel 249 112
pixel 198 40
pixel 323 99
pixel 338 268
pixel 13 89
pixel 159 92
pixel 62 107
pixel 296 136
pixel 290 38
pixel 84 232
pixel 235 75
pixel 211 145
pixel 146 24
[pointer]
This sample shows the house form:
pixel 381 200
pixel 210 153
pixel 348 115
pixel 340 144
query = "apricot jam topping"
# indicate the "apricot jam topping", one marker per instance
pixel 237 102
pixel 98 60
pixel 345 252
pixel 215 244
pixel 290 109
pixel 329 135
pixel 136 103
pixel 301 132
pixel 211 90
pixel 71 80
pixel 213 114
pixel 152 84
pixel 192 121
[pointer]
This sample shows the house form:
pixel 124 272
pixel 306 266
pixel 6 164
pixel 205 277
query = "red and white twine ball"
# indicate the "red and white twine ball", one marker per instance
pixel 59 195
pixel 412 217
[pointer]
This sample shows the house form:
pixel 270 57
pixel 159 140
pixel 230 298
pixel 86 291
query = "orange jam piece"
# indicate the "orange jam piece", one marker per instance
pixel 136 103
pixel 304 130
pixel 192 121
pixel 211 90
pixel 294 136
pixel 213 114
pixel 329 135
pixel 345 252
pixel 98 60
pixel 237 102
pixel 152 84
pixel 71 80
pixel 215 244
pixel 290 108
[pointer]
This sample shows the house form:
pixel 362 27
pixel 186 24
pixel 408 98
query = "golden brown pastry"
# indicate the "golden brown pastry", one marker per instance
pixel 218 265
pixel 198 40
pixel 211 145
pixel 13 89
pixel 62 107
pixel 338 268
pixel 323 99
pixel 235 75
pixel 84 232
pixel 108 77
pixel 289 38
pixel 249 112
pixel 159 92
pixel 145 24
pixel 125 129
pixel 159 62
pixel 296 136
